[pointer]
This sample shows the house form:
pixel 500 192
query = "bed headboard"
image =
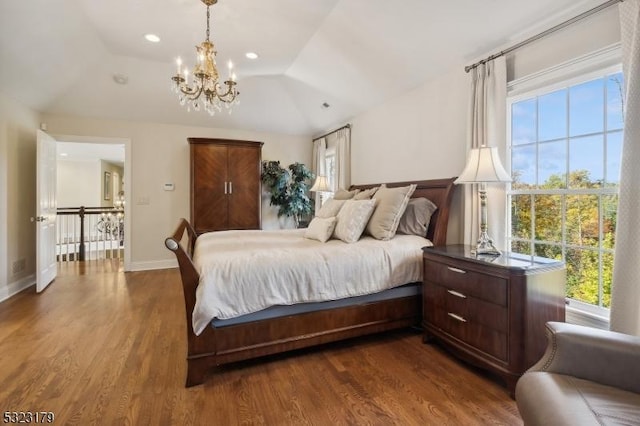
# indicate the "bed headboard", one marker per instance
pixel 440 192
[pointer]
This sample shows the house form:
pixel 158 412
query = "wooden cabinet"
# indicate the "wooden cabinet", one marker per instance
pixel 491 311
pixel 225 184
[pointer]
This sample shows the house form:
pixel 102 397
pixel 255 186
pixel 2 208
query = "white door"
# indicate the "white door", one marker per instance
pixel 47 268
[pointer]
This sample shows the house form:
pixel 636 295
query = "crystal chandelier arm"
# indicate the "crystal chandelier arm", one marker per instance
pixel 192 93
pixel 231 93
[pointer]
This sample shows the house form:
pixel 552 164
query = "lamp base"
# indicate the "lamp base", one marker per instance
pixel 485 246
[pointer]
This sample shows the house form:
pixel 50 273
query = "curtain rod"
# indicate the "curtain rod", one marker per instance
pixel 544 33
pixel 346 126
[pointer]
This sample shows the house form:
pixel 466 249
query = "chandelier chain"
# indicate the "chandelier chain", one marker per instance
pixel 207 22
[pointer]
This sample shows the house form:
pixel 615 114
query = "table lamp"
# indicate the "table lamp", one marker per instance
pixel 483 166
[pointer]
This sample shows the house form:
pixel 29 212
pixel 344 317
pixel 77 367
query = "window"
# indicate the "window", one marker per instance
pixel 565 152
pixel 330 168
pixel 330 172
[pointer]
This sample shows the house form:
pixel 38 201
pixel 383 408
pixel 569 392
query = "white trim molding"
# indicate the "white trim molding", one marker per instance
pixel 154 264
pixel 586 318
pixel 16 287
pixel 581 66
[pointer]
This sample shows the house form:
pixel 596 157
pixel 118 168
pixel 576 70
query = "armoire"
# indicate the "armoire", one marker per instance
pixel 225 184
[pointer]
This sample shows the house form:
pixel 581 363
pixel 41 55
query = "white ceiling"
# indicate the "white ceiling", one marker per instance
pixel 59 56
pixel 81 151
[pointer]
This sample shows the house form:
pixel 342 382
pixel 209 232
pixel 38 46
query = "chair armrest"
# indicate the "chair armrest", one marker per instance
pixel 600 356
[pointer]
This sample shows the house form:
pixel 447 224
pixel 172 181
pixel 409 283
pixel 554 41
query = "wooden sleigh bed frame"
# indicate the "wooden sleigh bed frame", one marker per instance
pixel 217 346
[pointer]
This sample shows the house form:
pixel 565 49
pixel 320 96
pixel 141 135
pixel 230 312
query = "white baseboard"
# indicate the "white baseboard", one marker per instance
pixel 154 264
pixel 16 287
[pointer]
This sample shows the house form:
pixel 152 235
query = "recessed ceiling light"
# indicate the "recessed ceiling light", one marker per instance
pixel 63 154
pixel 251 55
pixel 152 38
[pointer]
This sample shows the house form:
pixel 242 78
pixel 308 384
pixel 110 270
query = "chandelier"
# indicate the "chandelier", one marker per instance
pixel 205 91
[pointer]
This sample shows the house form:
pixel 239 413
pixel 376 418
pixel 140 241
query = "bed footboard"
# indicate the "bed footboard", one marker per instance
pixel 201 349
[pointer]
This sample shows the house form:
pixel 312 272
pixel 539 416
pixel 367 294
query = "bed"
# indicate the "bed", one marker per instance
pixel 283 328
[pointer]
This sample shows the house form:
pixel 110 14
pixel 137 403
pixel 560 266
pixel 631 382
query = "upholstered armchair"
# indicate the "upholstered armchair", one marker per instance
pixel 586 377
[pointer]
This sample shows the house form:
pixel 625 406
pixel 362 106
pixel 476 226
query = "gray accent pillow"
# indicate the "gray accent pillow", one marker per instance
pixel 416 217
pixel 392 203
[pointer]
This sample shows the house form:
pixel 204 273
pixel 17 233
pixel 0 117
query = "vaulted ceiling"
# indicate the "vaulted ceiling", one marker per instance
pixel 60 56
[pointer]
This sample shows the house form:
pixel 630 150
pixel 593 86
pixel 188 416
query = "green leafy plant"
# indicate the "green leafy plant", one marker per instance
pixel 289 188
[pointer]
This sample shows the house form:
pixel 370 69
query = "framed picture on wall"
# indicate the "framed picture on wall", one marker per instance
pixel 107 186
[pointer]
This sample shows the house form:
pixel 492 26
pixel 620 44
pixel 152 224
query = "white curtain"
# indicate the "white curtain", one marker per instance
pixel 625 297
pixel 487 126
pixel 318 166
pixel 343 159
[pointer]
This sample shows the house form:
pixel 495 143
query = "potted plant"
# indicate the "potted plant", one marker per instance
pixel 289 189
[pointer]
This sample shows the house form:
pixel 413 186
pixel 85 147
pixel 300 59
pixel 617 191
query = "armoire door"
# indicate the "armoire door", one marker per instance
pixel 209 200
pixel 244 187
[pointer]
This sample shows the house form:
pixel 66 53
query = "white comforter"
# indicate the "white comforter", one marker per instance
pixel 246 271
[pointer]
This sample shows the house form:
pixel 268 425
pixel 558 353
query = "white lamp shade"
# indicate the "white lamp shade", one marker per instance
pixel 483 166
pixel 320 185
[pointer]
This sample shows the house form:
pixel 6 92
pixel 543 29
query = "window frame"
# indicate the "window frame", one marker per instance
pixel 581 70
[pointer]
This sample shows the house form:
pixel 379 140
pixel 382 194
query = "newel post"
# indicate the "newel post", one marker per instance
pixel 81 248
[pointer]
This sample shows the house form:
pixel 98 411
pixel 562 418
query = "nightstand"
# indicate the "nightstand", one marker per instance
pixel 491 311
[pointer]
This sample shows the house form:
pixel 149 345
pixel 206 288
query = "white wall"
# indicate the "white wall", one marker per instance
pixel 78 183
pixel 419 135
pixel 160 154
pixel 115 171
pixel 18 126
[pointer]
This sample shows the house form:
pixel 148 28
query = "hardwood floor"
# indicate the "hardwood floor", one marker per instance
pixel 103 347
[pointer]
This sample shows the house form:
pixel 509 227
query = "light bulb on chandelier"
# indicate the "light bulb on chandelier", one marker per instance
pixel 205 91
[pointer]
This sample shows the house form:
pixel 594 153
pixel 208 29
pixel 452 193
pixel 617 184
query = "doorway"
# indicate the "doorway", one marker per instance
pixel 94 172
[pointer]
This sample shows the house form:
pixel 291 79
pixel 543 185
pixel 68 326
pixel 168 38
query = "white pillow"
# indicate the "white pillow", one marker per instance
pixel 352 219
pixel 366 194
pixel 330 208
pixel 320 229
pixel 343 194
pixel 392 203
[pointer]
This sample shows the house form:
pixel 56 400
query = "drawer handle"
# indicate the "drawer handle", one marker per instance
pixel 455 293
pixel 460 271
pixel 456 317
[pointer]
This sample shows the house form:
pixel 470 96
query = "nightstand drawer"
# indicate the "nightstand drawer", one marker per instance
pixel 486 339
pixel 471 309
pixel 467 283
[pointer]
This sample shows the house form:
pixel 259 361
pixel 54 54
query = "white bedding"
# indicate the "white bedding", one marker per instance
pixel 246 271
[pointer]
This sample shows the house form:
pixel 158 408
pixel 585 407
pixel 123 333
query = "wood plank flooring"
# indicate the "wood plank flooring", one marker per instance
pixel 101 347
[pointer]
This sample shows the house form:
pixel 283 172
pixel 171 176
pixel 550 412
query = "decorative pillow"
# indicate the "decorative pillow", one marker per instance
pixel 392 203
pixel 365 194
pixel 343 194
pixel 330 208
pixel 416 217
pixel 352 219
pixel 320 229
